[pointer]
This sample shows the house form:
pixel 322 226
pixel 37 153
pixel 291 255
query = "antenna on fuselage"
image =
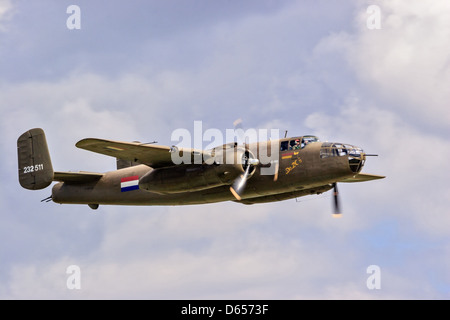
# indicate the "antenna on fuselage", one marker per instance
pixel 285 133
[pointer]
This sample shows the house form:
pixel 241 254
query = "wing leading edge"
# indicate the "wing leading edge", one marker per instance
pixel 152 155
pixel 361 177
pixel 155 156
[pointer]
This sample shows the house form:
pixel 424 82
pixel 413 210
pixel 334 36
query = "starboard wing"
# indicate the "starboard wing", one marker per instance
pixel 155 156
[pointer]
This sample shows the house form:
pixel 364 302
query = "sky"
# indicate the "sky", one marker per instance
pixel 140 70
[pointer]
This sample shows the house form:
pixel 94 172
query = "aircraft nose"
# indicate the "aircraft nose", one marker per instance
pixel 356 158
pixel 355 155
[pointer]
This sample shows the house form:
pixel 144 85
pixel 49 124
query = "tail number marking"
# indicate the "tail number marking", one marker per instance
pixel 34 168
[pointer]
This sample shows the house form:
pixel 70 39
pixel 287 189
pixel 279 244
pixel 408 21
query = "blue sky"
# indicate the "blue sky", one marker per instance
pixel 139 71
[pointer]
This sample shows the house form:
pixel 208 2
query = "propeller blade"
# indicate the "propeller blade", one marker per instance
pixel 239 184
pixel 277 167
pixel 337 210
pixel 237 123
pixel 239 131
pixel 234 193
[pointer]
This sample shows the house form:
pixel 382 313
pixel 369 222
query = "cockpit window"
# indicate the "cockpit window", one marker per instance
pixel 297 143
pixel 308 139
pixel 294 144
pixel 339 150
pixel 353 151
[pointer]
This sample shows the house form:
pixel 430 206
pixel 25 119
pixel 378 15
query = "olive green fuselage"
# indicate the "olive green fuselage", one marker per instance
pixel 300 172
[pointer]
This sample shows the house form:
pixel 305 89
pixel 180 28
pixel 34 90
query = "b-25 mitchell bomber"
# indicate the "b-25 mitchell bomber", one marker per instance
pixel 148 175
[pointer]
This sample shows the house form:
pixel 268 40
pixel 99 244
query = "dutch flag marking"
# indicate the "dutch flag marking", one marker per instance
pixel 129 183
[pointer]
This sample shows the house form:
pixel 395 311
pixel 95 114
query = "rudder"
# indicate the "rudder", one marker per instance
pixel 35 165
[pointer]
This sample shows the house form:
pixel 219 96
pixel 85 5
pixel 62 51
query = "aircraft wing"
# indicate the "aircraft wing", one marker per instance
pixel 360 177
pixel 152 155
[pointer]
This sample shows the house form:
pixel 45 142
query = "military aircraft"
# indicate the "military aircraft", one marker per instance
pixel 147 175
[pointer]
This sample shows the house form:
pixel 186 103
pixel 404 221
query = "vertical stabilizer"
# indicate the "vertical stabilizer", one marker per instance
pixel 35 165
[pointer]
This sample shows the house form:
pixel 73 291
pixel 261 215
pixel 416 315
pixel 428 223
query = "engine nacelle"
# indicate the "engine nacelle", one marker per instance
pixel 228 164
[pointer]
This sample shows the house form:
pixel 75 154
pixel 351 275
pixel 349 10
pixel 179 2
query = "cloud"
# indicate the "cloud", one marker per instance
pixel 278 68
pixel 68 111
pixel 404 155
pixel 5 12
pixel 143 255
pixel 404 66
pixel 188 253
pixel 397 104
pixel 406 62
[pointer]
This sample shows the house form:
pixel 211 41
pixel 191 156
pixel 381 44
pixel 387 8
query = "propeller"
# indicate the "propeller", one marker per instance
pixel 239 132
pixel 239 184
pixel 337 210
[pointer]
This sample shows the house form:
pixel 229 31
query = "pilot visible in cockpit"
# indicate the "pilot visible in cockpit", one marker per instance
pixel 304 143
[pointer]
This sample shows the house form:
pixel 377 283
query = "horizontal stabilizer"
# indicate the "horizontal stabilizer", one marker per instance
pixel 77 177
pixel 361 177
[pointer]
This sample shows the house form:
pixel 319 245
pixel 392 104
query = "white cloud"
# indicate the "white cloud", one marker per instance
pixel 128 108
pixel 411 160
pixel 406 62
pixel 268 68
pixel 205 255
pixel 144 256
pixel 405 65
pixel 5 11
pixel 399 108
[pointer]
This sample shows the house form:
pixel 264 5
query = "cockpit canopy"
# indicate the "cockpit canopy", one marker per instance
pixel 297 143
pixel 330 149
